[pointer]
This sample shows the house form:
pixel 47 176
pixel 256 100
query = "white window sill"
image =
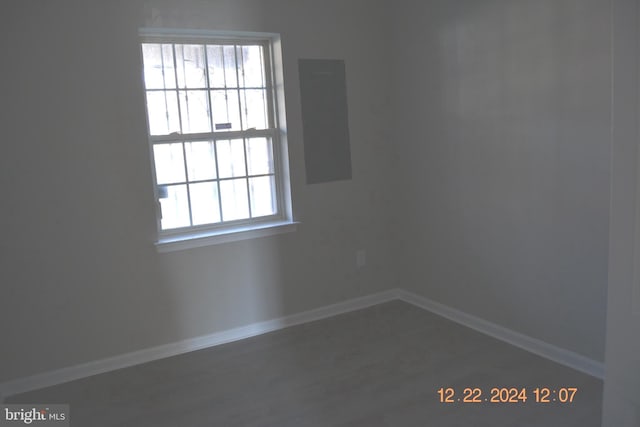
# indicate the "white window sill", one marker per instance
pixel 209 238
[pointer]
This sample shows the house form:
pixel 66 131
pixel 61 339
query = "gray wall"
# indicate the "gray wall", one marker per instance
pixel 503 121
pixel 81 279
pixel 621 398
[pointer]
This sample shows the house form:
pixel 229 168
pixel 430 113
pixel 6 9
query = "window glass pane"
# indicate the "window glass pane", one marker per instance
pixel 230 71
pixel 254 109
pixel 231 158
pixel 191 64
pixel 162 108
pixel 251 67
pixel 263 200
pixel 216 66
pixel 158 66
pixel 194 109
pixel 174 203
pixel 201 160
pixel 235 203
pixel 226 109
pixel 169 162
pixel 169 66
pixel 205 208
pixel 259 156
pixel 153 72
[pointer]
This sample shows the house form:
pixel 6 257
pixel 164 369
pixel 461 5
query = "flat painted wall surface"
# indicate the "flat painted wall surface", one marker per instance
pixel 621 397
pixel 503 123
pixel 81 279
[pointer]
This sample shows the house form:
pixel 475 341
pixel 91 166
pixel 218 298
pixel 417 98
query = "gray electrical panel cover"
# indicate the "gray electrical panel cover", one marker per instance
pixel 323 93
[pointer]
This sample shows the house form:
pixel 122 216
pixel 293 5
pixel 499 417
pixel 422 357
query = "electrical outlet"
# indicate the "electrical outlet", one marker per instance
pixel 361 258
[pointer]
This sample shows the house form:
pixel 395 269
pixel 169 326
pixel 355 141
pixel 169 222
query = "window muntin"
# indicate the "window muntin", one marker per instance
pixel 212 132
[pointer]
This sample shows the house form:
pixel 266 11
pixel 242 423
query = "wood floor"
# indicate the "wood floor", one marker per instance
pixel 381 366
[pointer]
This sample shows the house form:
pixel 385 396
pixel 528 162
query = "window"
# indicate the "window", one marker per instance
pixel 218 155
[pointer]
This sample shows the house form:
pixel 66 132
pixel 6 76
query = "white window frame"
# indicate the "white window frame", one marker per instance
pixel 282 221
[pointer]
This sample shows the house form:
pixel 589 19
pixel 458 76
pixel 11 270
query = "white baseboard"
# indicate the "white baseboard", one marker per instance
pixel 541 348
pixel 532 345
pixel 71 373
